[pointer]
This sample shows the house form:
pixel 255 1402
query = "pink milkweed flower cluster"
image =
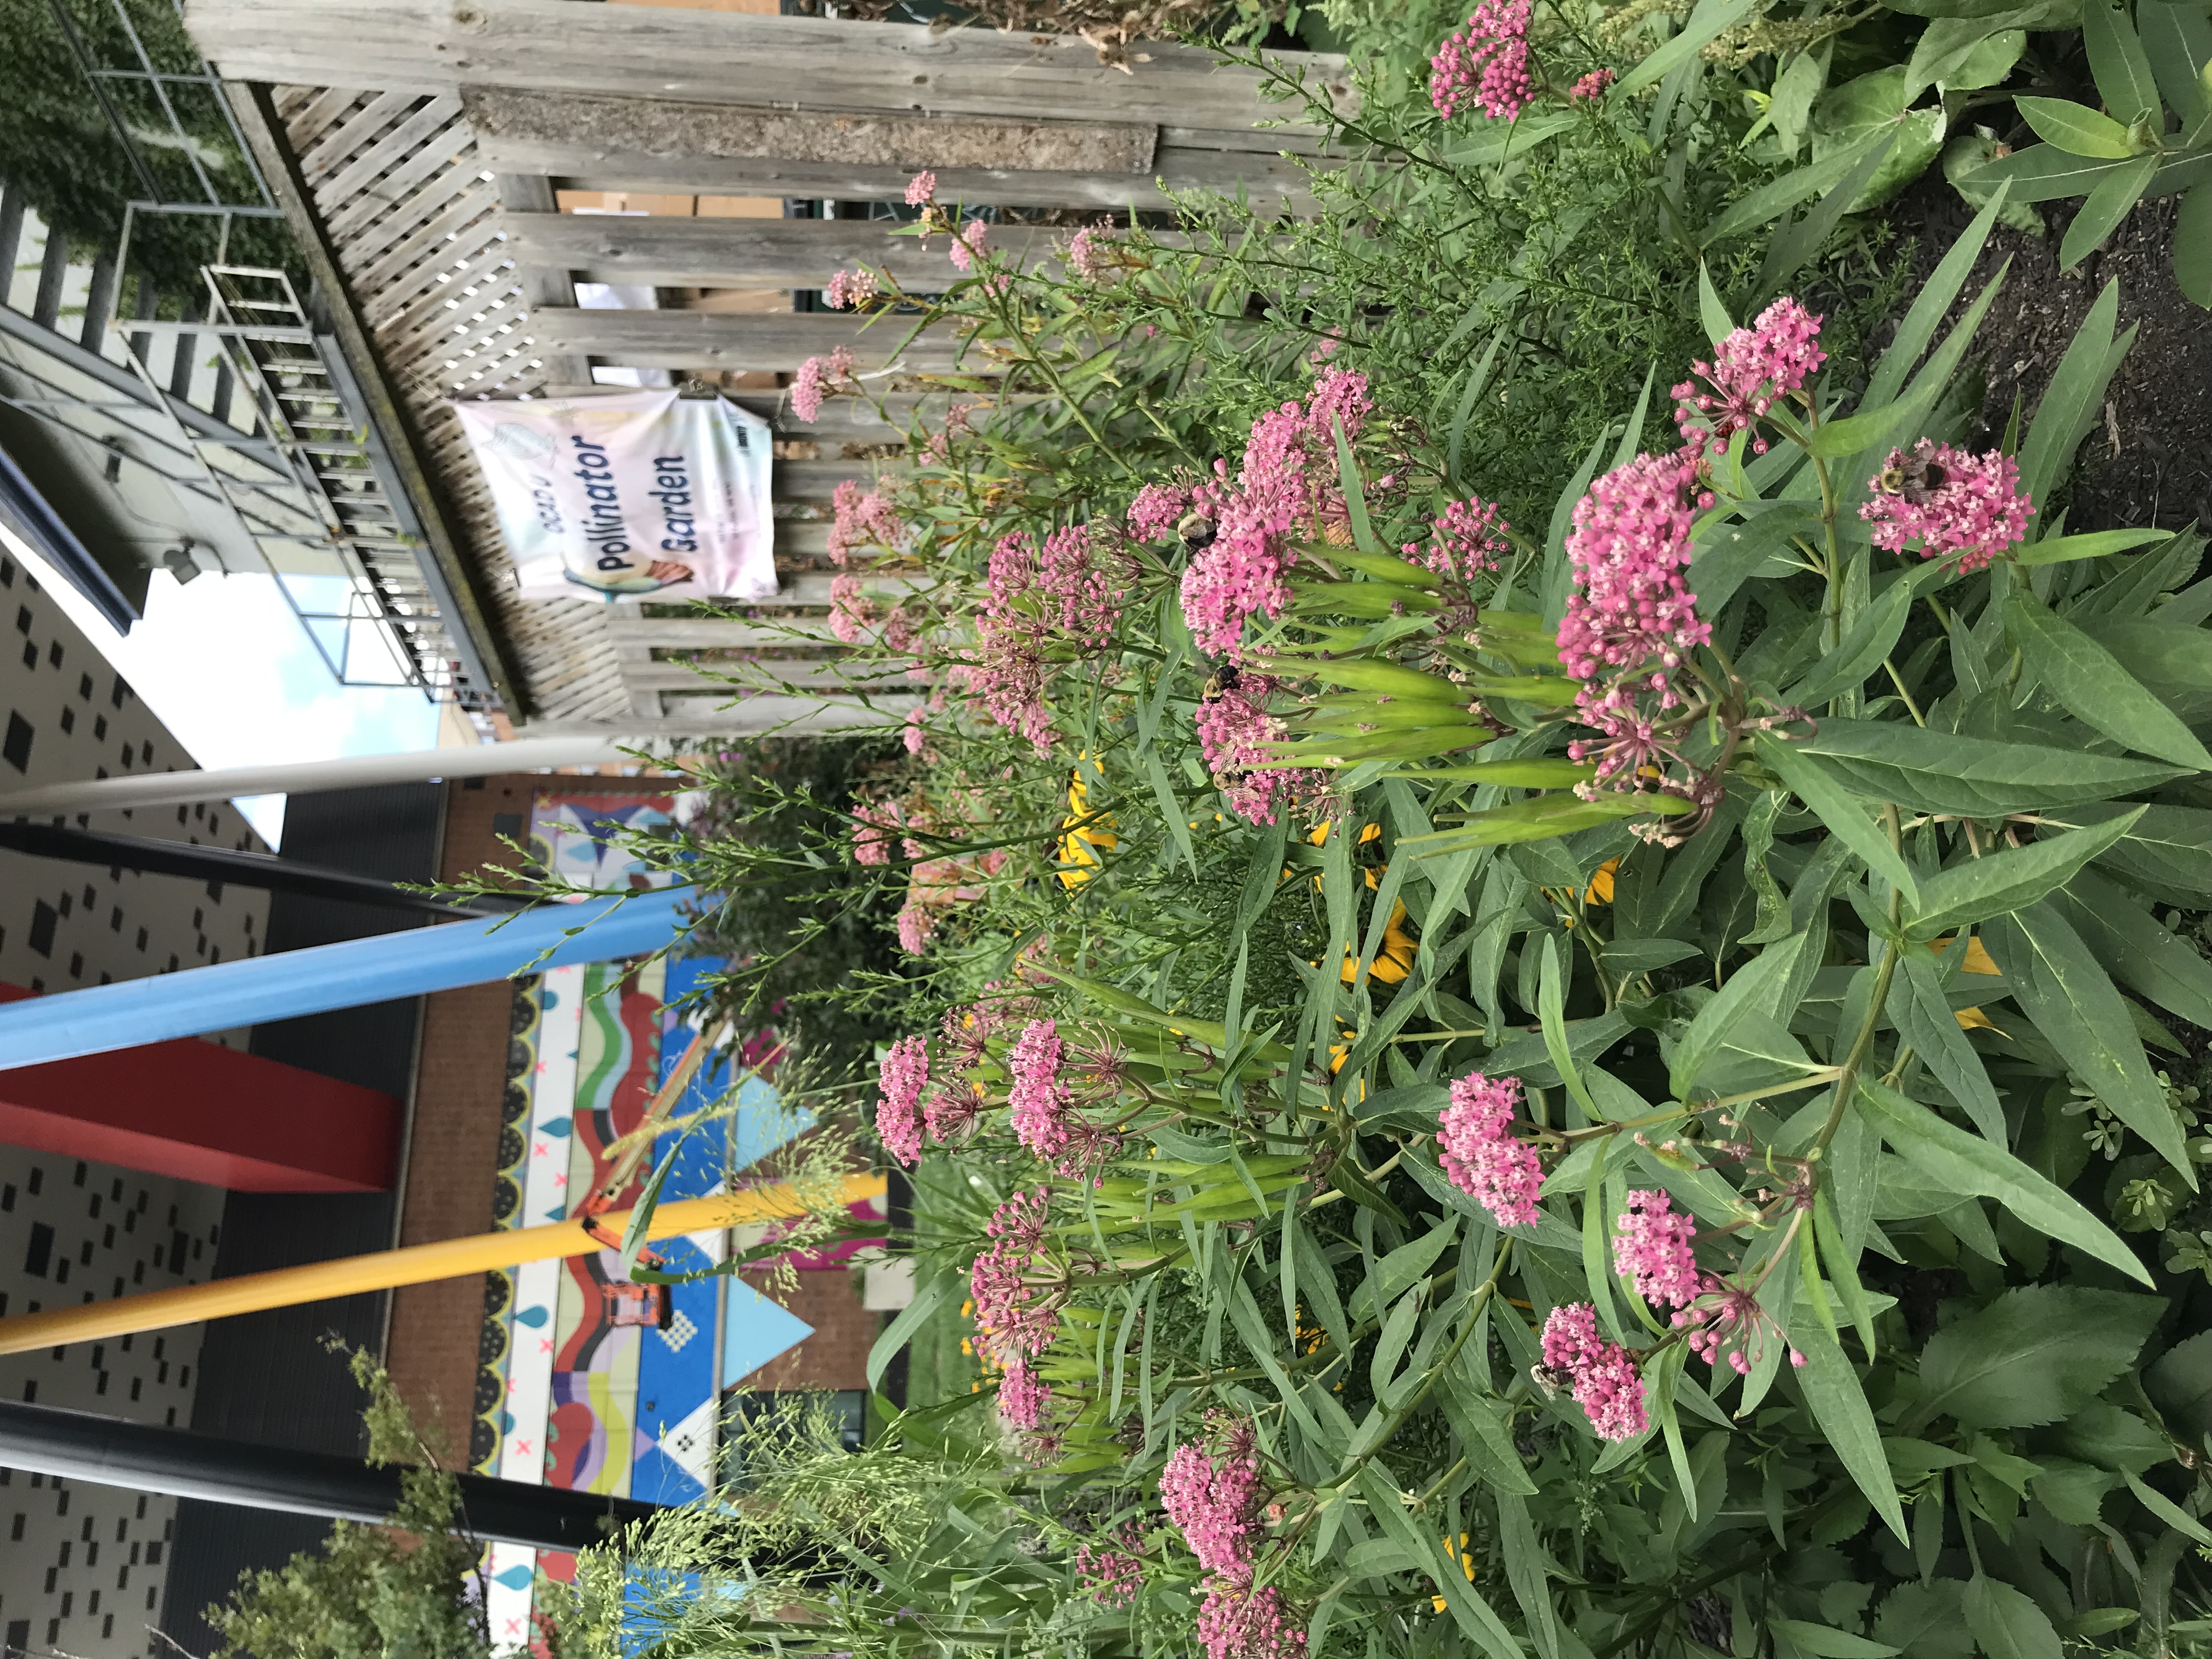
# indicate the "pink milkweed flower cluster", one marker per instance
pixel 1215 1502
pixel 901 1076
pixel 1951 502
pixel 1652 1251
pixel 1034 606
pixel 1485 64
pixel 1108 1577
pixel 968 243
pixel 1591 86
pixel 1014 1318
pixel 1287 485
pixel 921 188
pixel 1237 1621
pixel 1752 369
pixel 1087 251
pixel 1466 537
pixel 1233 728
pixel 1078 587
pixel 850 290
pixel 1727 1323
pixel 1602 1374
pixel 1038 1100
pixel 875 824
pixel 1630 620
pixel 1481 1156
pixel 817 377
pixel 1024 1399
pixel 1158 509
pixel 862 518
pixel 851 611
pixel 916 925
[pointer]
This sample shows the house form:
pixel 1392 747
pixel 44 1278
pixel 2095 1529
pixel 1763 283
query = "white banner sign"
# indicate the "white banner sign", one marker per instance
pixel 642 494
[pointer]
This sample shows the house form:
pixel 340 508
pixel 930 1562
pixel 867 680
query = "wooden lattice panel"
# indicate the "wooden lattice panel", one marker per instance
pixel 413 218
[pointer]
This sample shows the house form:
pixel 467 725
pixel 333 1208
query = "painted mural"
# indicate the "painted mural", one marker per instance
pixel 573 1393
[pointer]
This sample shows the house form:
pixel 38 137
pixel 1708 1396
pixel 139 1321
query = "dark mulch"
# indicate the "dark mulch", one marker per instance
pixel 2149 462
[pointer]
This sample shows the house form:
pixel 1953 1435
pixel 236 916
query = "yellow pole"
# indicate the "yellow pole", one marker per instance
pixel 383 1270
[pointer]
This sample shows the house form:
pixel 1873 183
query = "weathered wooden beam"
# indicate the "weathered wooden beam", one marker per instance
pixel 726 58
pixel 717 633
pixel 753 716
pixel 1270 183
pixel 842 420
pixel 739 340
pixel 813 588
pixel 817 481
pixel 699 680
pixel 679 251
pixel 910 143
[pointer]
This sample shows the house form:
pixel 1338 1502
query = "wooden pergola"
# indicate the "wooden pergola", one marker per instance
pixel 422 147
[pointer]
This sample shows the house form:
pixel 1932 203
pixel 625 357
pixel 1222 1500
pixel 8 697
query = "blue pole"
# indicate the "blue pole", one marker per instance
pixel 347 975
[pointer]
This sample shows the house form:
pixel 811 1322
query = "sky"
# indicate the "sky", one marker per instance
pixel 225 664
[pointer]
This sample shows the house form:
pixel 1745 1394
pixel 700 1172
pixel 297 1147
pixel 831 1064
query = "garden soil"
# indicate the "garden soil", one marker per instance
pixel 2150 461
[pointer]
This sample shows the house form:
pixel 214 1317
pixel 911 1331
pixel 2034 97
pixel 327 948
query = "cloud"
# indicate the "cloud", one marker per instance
pixel 225 664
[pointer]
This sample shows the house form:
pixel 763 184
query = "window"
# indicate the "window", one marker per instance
pixel 69 720
pixel 15 750
pixel 84 687
pixel 40 1256
pixel 43 918
pixel 23 619
pixel 54 654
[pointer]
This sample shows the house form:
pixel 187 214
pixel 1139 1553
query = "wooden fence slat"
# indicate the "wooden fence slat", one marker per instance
pixel 677 250
pixel 1268 182
pixel 818 480
pixel 732 340
pixel 715 633
pixel 662 127
pixel 820 676
pixel 726 57
pixel 545 283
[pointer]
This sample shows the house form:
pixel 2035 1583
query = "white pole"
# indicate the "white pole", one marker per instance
pixel 356 772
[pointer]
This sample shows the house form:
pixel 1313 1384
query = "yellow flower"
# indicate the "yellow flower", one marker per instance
pixel 1396 959
pixel 1080 844
pixel 1978 960
pixel 1459 1555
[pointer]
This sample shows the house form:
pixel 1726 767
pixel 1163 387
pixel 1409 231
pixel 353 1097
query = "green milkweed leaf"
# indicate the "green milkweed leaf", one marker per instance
pixel 2117 192
pixel 2089 544
pixel 2093 686
pixel 1931 305
pixel 2116 60
pixel 1872 637
pixel 1839 1403
pixel 2192 245
pixel 1745 990
pixel 2070 998
pixel 1489 1448
pixel 2035 1355
pixel 2072 399
pixel 2075 128
pixel 1835 804
pixel 1711 18
pixel 2136 950
pixel 1779 195
pixel 1965 1163
pixel 1972 777
pixel 2007 878
pixel 1924 1017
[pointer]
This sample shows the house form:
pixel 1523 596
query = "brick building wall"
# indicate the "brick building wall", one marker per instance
pixel 836 1355
pixel 452 1156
